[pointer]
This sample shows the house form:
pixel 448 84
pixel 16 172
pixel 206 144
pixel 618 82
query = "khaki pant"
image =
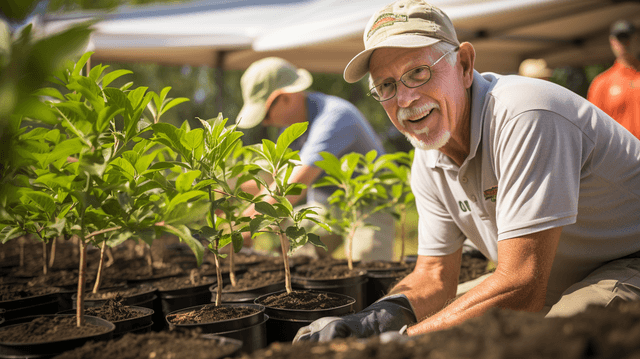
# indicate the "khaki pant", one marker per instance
pixel 614 281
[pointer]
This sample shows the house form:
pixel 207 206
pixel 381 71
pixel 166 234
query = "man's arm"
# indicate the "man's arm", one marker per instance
pixel 519 283
pixel 432 283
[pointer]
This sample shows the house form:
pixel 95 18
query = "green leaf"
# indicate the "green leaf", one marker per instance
pixel 80 64
pixel 238 241
pixel 298 236
pixel 106 115
pixel 187 213
pixel 44 202
pixel 184 234
pixel 315 240
pixel 289 135
pixel 109 77
pixel 50 92
pixel 173 103
pixel 184 182
pixel 266 208
pixel 193 139
pixel 258 223
pixel 8 233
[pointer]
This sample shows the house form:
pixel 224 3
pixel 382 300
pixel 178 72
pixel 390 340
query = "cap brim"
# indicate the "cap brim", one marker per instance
pixel 358 67
pixel 251 115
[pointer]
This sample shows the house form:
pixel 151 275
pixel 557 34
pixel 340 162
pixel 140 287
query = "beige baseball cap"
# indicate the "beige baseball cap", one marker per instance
pixel 536 68
pixel 264 78
pixel 403 23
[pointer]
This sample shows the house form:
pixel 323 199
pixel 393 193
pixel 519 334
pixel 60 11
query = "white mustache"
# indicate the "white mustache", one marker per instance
pixel 413 113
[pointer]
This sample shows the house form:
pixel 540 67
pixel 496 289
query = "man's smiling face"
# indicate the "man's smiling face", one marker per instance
pixel 429 114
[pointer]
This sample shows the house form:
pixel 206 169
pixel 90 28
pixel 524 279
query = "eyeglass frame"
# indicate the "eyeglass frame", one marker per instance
pixel 395 83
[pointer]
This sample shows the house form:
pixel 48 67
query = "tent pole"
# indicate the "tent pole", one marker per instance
pixel 219 79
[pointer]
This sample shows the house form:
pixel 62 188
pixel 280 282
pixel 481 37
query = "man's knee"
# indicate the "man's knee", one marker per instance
pixel 617 280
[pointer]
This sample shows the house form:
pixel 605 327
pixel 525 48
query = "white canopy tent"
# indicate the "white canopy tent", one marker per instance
pixel 323 35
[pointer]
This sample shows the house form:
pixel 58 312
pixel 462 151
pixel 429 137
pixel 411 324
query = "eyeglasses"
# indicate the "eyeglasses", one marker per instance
pixel 413 78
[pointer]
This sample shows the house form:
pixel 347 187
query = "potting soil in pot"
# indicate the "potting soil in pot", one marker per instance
pixel 598 333
pixel 161 345
pixel 48 328
pixel 304 300
pixel 18 291
pixel 113 310
pixel 211 313
pixel 254 279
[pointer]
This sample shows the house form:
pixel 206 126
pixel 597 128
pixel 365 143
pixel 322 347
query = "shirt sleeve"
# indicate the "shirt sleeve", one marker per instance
pixel 538 160
pixel 332 131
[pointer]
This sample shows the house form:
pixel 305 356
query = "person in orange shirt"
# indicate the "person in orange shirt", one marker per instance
pixel 617 90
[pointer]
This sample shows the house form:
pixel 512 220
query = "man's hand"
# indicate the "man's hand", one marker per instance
pixel 388 314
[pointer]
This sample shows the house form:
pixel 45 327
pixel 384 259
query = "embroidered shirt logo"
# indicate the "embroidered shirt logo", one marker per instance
pixel 383 20
pixel 491 193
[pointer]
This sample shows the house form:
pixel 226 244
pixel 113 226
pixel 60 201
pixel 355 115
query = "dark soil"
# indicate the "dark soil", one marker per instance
pixel 160 345
pixel 113 310
pixel 598 333
pixel 19 291
pixel 122 292
pixel 327 270
pixel 253 279
pixel 173 283
pixel 305 300
pixel 473 267
pixel 48 328
pixel 211 313
pixel 382 265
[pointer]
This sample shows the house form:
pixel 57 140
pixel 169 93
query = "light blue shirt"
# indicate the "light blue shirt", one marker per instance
pixel 335 126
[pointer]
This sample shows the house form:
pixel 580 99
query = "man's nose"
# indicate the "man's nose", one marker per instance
pixel 405 95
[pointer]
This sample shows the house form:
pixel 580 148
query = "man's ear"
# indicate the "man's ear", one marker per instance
pixel 467 60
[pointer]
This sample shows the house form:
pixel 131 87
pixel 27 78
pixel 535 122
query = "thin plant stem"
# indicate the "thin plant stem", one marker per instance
pixel 96 286
pixel 44 258
pixel 81 284
pixel 52 256
pixel 284 245
pixel 21 242
pixel 232 271
pixel 218 276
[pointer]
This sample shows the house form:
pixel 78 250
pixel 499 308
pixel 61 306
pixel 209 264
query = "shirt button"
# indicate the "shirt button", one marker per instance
pixel 474 199
pixel 463 179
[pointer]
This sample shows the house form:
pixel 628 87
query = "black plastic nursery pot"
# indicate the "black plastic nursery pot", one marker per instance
pixel 48 349
pixel 250 329
pixel 28 306
pixel 284 323
pixel 141 299
pixel 381 279
pixel 354 287
pixel 174 299
pixel 140 324
pixel 245 295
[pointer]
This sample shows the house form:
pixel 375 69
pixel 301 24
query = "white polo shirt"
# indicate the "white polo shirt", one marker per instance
pixel 541 157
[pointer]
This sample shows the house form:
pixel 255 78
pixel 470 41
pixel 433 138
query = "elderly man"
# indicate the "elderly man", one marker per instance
pixel 539 179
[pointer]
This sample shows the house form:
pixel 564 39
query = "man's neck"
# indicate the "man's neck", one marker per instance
pixel 629 61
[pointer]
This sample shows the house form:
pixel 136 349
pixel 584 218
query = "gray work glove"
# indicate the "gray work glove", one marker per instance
pixel 387 314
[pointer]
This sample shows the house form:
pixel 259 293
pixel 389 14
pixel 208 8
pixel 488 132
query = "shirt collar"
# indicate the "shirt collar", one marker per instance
pixel 479 90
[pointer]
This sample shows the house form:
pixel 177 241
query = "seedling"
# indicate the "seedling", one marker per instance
pixel 204 159
pixel 278 160
pixel 359 194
